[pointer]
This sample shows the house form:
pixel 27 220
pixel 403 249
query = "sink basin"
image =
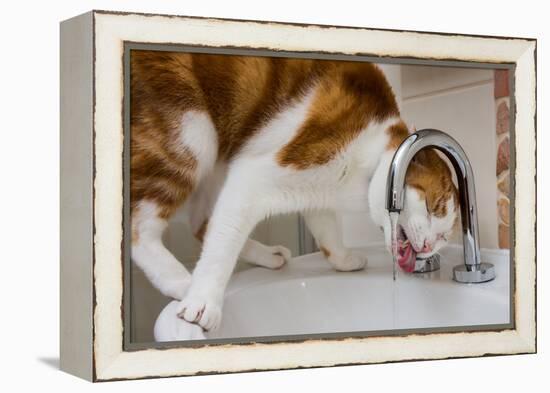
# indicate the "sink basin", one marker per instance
pixel 307 297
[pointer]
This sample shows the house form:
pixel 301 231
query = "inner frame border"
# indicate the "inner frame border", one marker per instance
pixel 128 345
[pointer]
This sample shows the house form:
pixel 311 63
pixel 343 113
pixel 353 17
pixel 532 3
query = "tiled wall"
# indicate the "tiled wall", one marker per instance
pixel 502 105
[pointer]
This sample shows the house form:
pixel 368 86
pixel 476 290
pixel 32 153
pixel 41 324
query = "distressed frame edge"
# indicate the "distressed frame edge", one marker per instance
pixel 76 196
pixel 525 197
pixel 303 24
pixel 526 342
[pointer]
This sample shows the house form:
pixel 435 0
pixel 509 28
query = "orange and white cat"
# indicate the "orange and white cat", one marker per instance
pixel 237 139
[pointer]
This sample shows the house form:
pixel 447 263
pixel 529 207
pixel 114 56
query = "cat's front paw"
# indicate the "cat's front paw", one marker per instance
pixel 200 310
pixel 168 327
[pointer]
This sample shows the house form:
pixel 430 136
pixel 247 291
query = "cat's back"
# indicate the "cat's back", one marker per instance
pixel 241 79
pixel 241 94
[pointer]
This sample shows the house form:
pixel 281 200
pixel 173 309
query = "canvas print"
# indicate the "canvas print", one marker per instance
pixel 267 201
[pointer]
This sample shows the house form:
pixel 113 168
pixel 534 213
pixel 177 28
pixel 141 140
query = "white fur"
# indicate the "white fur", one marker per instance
pixel 423 229
pixel 253 189
pixel 201 202
pixel 254 186
pixel 164 271
pixel 272 257
pixel 365 155
pixel 324 228
pixel 166 329
pixel 199 208
pixel 279 131
pixel 377 195
pixel 199 135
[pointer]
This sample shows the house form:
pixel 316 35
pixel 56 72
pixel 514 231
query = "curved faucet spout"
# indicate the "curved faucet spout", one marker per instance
pixel 395 195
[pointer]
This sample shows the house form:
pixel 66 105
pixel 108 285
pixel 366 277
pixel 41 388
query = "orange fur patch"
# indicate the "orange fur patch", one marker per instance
pixel 428 173
pixel 398 133
pixel 349 96
pixel 431 177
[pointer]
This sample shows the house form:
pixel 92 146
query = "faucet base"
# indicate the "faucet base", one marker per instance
pixel 473 274
pixel 427 265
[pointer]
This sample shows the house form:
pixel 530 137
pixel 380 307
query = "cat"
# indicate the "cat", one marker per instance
pixel 240 138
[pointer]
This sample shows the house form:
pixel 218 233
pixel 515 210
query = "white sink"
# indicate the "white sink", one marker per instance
pixel 308 297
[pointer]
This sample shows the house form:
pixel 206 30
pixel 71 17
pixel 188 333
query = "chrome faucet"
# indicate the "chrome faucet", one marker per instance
pixel 473 270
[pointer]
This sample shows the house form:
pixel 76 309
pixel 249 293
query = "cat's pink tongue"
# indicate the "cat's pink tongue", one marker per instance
pixel 407 260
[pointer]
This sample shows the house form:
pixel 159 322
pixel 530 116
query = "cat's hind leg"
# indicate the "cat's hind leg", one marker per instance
pixel 271 257
pixel 324 227
pixel 163 178
pixel 256 253
pixel 162 269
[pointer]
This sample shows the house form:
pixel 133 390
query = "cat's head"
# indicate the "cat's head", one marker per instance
pixel 430 211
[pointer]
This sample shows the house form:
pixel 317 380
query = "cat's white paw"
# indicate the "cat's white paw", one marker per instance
pixel 200 310
pixel 348 261
pixel 175 287
pixel 168 327
pixel 277 257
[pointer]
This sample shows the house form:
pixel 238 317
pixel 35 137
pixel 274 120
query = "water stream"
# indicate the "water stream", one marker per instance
pixel 394 216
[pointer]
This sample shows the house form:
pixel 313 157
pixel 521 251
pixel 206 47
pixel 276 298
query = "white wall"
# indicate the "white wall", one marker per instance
pixel 460 102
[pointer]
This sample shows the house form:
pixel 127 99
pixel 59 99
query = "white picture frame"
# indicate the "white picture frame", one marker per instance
pixel 92 194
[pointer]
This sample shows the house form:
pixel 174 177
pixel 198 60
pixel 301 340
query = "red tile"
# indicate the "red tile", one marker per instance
pixel 503 156
pixel 503 118
pixel 502 85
